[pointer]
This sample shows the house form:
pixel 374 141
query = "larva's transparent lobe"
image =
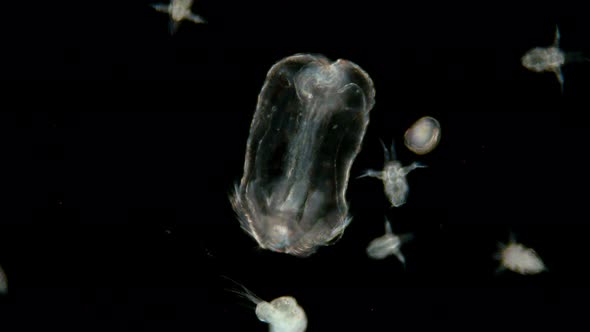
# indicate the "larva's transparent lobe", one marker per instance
pixel 308 127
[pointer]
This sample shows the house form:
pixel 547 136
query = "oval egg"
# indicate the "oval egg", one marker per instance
pixel 423 136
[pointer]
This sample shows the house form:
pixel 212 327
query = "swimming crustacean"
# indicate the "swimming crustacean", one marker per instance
pixel 550 59
pixel 393 176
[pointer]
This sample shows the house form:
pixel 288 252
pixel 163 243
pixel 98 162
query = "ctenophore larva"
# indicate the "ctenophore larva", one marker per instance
pixel 309 124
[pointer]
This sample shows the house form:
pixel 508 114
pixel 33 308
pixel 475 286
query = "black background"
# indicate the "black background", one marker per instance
pixel 119 145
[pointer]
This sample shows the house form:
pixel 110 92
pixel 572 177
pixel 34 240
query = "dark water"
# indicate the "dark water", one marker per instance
pixel 119 145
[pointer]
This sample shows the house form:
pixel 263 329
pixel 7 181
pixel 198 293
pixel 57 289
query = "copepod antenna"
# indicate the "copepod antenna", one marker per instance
pixel 386 154
pixel 393 153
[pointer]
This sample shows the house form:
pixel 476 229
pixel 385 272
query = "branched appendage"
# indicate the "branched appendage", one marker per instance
pixel 392 153
pixel 161 7
pixel 371 173
pixel 196 18
pixel 386 154
pixel 406 170
pixel 559 75
pixel 389 154
pixel 173 26
pixel 557 36
pixel 401 258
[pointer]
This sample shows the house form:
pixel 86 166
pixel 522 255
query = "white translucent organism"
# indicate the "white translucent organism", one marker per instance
pixel 393 177
pixel 550 59
pixel 179 10
pixel 518 258
pixel 423 136
pixel 283 314
pixel 388 244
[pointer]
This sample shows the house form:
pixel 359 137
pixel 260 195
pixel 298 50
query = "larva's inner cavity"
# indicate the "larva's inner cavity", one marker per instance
pixel 307 130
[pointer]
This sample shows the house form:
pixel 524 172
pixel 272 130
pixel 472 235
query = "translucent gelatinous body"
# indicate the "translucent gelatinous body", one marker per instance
pixel 393 177
pixel 423 136
pixel 310 120
pixel 388 244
